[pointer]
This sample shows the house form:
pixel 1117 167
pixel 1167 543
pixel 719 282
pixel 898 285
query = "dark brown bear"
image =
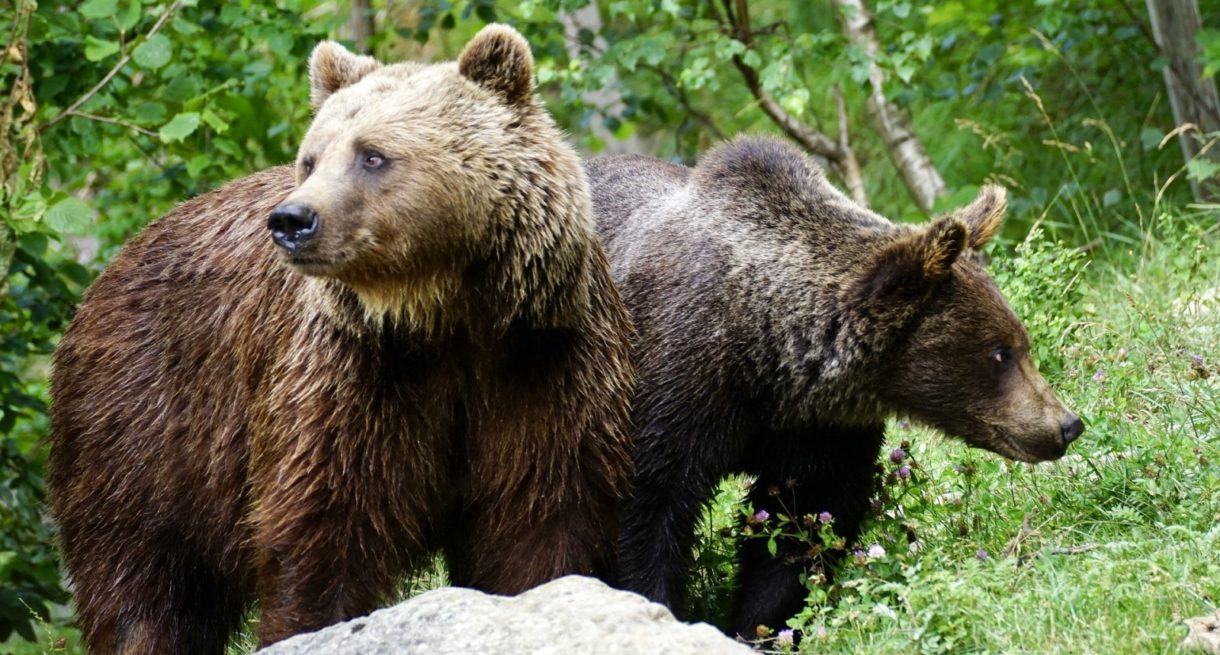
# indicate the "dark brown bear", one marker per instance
pixel 778 325
pixel 430 357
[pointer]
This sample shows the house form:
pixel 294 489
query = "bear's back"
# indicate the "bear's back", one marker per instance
pixel 192 302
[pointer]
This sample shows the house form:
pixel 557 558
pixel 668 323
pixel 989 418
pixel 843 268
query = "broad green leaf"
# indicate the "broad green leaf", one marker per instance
pixel 153 53
pixel 96 49
pixel 184 27
pixel 1199 169
pixel 131 16
pixel 215 121
pixel 69 215
pixel 180 89
pixel 95 9
pixel 1151 137
pixel 180 127
pixel 196 165
pixel 149 113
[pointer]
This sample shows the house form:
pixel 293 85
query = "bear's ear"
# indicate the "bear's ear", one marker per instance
pixel 498 58
pixel 913 263
pixel 332 67
pixel 985 215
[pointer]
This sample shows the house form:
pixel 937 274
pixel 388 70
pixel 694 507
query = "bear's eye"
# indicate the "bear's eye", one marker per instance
pixel 307 166
pixel 1002 355
pixel 372 160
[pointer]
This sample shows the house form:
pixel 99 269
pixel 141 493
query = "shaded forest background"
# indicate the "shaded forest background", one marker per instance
pixel 113 111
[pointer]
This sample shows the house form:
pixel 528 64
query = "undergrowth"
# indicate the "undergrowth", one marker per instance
pixel 1104 551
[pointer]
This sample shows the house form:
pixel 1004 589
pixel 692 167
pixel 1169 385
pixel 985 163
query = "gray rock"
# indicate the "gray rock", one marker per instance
pixel 1204 633
pixel 569 615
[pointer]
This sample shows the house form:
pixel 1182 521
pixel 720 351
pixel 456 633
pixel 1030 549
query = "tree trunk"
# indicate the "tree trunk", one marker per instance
pixel 607 100
pixel 360 24
pixel 1175 25
pixel 906 151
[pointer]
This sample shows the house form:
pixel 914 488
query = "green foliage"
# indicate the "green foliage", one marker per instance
pixel 120 108
pixel 1041 281
pixel 29 575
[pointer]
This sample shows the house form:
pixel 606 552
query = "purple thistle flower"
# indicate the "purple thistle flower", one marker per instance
pixel 904 472
pixel 1099 376
pixel 784 637
pixel 898 455
pixel 824 517
pixel 762 515
pixel 876 551
pixel 982 554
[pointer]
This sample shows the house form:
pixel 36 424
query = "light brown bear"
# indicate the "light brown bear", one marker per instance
pixel 425 354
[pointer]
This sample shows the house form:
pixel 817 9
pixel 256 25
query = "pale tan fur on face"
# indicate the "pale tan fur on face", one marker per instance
pixel 401 236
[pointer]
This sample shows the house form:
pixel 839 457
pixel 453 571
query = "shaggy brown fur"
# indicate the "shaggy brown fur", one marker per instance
pixel 444 366
pixel 778 325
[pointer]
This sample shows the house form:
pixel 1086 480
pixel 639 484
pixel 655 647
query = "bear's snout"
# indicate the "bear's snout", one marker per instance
pixel 1072 428
pixel 292 224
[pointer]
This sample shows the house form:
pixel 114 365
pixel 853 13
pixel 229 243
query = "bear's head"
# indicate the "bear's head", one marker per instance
pixel 417 183
pixel 962 363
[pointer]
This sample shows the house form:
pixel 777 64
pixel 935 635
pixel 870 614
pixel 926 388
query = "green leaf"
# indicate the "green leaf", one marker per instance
pixel 97 49
pixel 180 89
pixel 153 53
pixel 1150 137
pixel 772 547
pixel 180 127
pixel 197 164
pixel 69 215
pixel 215 121
pixel 131 17
pixel 184 27
pixel 95 9
pixel 149 113
pixel 1199 169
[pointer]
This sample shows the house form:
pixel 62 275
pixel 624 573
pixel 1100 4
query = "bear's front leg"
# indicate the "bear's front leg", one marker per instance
pixel 799 473
pixel 322 559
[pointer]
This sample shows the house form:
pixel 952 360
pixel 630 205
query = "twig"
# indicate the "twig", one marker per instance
pixel 679 93
pixel 738 26
pixel 113 71
pixel 114 121
pixel 852 178
pixel 1014 546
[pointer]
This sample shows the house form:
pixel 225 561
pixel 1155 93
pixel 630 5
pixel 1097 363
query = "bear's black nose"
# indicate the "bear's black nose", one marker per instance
pixel 1072 427
pixel 292 224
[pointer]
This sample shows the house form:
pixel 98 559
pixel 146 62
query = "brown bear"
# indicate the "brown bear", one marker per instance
pixel 778 325
pixel 424 354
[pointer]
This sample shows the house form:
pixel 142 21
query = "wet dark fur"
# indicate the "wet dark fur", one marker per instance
pixel 778 325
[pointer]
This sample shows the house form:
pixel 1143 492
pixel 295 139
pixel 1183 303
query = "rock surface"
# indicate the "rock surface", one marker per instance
pixel 569 615
pixel 1204 634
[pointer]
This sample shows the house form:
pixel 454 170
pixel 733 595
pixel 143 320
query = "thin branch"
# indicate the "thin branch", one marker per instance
pixel 849 167
pixel 114 121
pixel 814 142
pixel 113 71
pixel 679 93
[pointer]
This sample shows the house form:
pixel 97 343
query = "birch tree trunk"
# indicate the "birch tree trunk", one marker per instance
pixel 360 24
pixel 1175 25
pixel 906 151
pixel 607 100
